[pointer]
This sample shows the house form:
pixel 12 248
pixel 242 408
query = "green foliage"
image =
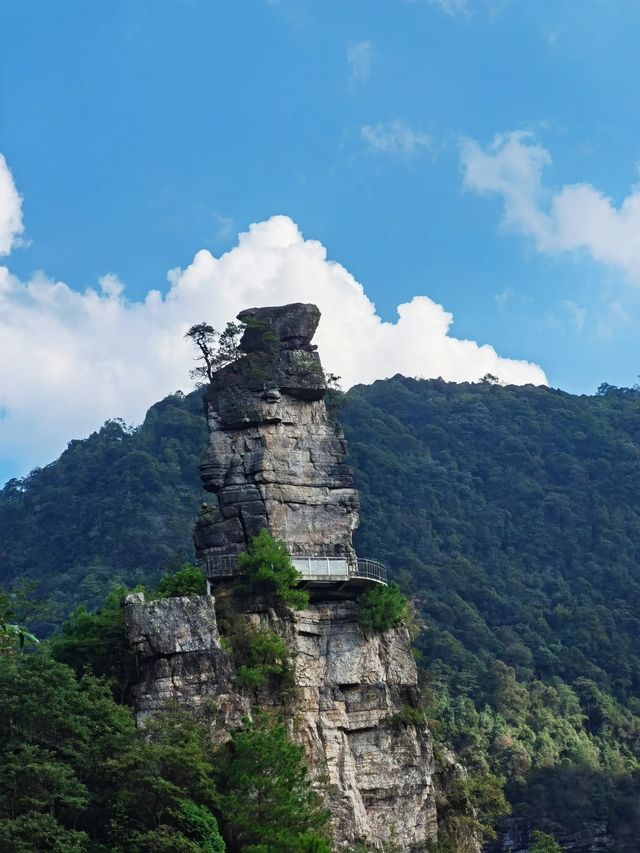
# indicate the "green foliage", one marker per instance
pixel 76 773
pixel 188 580
pixel 409 716
pixel 96 642
pixel 270 571
pixel 261 656
pixel 15 603
pixel 269 805
pixel 381 608
pixel 215 349
pixel 115 508
pixel 544 843
pixel 511 517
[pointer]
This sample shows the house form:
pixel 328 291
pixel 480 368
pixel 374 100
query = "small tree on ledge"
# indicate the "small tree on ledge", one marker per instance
pixel 270 571
pixel 216 348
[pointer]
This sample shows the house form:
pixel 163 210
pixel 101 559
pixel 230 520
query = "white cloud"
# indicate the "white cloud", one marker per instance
pixel 360 59
pixel 394 137
pixel 10 210
pixel 576 217
pixel 69 360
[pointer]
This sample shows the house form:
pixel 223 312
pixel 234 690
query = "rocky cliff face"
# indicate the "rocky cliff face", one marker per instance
pixel 274 459
pixel 374 770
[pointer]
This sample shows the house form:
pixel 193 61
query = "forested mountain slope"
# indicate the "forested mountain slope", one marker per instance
pixel 116 507
pixel 512 515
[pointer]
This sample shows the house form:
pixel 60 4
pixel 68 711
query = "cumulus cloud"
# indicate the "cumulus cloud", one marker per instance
pixel 69 360
pixel 394 137
pixel 360 59
pixel 10 210
pixel 575 217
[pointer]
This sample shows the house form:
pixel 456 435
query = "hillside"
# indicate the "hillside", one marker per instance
pixel 512 515
pixel 117 507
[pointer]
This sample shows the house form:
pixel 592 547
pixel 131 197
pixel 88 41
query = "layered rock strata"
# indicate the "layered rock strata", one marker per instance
pixel 374 771
pixel 274 459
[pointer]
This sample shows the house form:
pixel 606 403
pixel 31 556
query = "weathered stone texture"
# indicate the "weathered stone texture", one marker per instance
pixel 274 459
pixel 374 772
pixel 181 658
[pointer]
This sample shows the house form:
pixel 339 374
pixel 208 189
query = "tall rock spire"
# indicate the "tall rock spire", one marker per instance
pixel 274 459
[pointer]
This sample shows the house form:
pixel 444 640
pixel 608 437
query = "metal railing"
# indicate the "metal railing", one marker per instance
pixel 315 568
pixel 372 569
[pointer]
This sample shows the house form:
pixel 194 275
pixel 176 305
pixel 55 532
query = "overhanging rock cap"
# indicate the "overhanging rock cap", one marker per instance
pixel 291 326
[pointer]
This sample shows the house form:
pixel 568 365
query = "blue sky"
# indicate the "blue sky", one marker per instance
pixel 484 154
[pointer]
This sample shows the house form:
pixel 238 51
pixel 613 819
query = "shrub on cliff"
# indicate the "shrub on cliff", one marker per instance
pixel 381 608
pixel 261 655
pixel 544 843
pixel 188 580
pixel 270 571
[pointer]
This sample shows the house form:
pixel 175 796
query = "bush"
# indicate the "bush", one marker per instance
pixel 188 580
pixel 544 843
pixel 381 608
pixel 260 655
pixel 270 571
pixel 409 716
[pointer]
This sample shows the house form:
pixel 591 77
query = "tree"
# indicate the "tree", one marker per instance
pixel 269 804
pixel 381 608
pixel 97 642
pixel 270 571
pixel 77 774
pixel 13 606
pixel 216 348
pixel 544 843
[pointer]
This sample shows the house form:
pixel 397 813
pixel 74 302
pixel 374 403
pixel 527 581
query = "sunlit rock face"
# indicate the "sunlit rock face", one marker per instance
pixel 373 770
pixel 274 458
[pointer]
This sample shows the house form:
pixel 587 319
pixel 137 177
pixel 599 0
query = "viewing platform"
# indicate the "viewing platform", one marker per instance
pixel 314 571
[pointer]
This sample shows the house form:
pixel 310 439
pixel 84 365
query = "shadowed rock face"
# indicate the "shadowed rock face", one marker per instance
pixel 274 459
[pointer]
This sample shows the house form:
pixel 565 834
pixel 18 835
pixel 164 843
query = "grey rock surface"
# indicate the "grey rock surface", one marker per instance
pixel 181 660
pixel 374 772
pixel 274 458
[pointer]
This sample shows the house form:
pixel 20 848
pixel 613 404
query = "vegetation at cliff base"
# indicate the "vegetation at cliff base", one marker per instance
pixel 268 802
pixel 77 775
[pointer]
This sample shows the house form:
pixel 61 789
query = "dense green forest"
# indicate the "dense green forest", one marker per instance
pixel 78 776
pixel 512 517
